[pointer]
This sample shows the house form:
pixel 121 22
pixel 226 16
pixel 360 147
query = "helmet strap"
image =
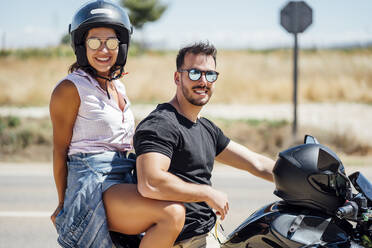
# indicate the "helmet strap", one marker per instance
pixel 108 94
pixel 109 79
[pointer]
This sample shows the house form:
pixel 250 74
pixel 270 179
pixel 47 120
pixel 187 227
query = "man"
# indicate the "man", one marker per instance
pixel 176 149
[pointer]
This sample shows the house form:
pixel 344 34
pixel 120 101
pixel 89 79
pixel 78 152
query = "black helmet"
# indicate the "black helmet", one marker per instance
pixel 311 175
pixel 100 13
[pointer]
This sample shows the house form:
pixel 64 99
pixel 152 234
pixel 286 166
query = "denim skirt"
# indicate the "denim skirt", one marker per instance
pixel 82 221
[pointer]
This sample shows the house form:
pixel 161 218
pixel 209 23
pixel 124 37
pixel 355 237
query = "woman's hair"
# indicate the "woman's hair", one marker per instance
pixel 90 70
pixel 74 67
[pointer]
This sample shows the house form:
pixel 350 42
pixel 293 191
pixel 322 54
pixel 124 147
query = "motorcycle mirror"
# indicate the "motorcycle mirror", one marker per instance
pixel 361 184
pixel 310 139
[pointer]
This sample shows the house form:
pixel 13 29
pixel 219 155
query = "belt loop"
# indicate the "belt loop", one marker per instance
pixel 123 154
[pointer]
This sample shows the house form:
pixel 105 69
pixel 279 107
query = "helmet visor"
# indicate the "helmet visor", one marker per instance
pixel 330 183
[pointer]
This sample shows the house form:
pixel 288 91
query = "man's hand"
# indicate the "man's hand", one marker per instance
pixel 218 201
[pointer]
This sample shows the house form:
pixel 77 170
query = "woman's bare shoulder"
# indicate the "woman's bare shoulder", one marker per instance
pixel 65 88
pixel 65 94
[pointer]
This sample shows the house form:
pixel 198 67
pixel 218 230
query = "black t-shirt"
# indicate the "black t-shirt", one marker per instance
pixel 192 148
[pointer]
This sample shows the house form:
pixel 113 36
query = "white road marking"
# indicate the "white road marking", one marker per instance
pixel 25 214
pixel 21 170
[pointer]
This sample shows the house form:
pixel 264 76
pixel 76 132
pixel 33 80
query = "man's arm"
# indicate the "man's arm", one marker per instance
pixel 241 157
pixel 154 181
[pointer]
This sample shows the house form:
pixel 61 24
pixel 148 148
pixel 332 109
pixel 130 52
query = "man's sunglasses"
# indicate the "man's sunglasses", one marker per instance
pixel 110 43
pixel 195 74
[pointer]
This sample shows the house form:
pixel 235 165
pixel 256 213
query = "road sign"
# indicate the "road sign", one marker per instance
pixel 295 17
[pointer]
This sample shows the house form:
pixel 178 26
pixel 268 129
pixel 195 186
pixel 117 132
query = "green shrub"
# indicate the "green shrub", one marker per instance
pixel 17 135
pixel 55 52
pixel 24 138
pixel 49 52
pixel 4 53
pixel 13 121
pixel 2 125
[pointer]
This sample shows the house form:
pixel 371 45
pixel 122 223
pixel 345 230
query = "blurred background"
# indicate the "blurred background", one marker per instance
pixel 252 103
pixel 253 100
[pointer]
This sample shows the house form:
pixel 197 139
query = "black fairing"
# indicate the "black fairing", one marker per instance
pixel 281 225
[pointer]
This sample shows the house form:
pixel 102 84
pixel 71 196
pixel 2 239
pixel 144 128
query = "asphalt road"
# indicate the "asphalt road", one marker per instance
pixel 28 196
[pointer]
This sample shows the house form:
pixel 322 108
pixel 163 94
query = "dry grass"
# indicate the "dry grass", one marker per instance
pixel 27 139
pixel 246 77
pixel 30 81
pixel 150 78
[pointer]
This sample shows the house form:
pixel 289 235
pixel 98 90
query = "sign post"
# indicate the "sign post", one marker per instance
pixel 295 17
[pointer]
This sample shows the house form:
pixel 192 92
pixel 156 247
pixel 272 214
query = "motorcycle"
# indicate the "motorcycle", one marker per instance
pixel 318 207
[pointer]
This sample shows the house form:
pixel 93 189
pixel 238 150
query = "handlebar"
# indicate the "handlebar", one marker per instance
pixel 349 210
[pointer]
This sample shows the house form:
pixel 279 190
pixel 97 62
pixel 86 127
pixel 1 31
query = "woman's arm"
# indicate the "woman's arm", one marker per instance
pixel 64 106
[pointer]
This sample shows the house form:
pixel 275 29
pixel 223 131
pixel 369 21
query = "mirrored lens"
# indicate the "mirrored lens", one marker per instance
pixel 194 74
pixel 93 43
pixel 112 44
pixel 211 76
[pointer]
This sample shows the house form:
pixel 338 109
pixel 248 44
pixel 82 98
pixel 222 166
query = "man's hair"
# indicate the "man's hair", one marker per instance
pixel 196 48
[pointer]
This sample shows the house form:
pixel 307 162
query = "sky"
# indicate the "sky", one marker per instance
pixel 227 24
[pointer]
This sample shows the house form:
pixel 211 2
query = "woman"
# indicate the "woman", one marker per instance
pixel 92 132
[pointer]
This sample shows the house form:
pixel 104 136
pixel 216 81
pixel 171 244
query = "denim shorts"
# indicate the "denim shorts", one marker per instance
pixel 82 221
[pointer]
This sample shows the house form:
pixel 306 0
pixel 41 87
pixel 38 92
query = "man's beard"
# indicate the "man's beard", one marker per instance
pixel 197 102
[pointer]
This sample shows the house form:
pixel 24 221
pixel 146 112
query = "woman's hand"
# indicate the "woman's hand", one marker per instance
pixel 55 213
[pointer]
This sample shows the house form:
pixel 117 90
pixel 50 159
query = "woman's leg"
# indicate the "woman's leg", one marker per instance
pixel 130 213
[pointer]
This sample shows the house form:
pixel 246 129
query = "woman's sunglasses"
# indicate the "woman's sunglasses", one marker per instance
pixel 195 74
pixel 110 43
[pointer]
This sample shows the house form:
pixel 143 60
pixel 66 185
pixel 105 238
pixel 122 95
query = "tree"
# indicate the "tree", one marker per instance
pixel 65 40
pixel 143 11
